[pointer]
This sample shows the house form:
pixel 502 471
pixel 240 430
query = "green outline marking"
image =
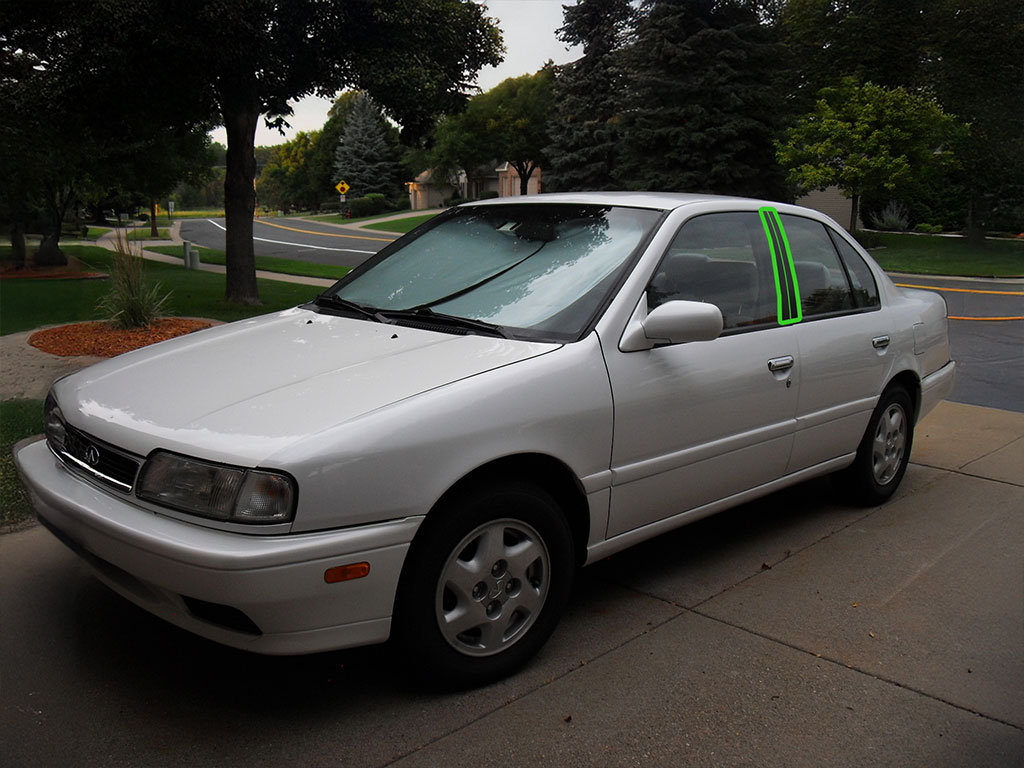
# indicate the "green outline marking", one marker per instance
pixel 767 213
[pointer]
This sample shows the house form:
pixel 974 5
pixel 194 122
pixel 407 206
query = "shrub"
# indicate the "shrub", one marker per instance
pixel 370 205
pixel 893 218
pixel 129 304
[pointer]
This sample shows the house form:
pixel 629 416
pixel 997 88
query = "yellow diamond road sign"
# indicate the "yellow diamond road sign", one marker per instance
pixel 342 187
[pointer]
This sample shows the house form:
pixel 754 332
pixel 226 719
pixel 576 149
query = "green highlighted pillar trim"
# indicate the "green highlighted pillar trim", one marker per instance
pixel 786 289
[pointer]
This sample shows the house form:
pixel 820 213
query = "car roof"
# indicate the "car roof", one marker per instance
pixel 665 201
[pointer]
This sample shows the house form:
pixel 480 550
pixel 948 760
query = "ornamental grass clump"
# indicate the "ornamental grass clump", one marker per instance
pixel 129 304
pixel 893 218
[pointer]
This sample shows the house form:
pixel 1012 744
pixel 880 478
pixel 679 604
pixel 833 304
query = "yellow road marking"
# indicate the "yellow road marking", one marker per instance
pixel 961 290
pixel 325 234
pixel 970 290
pixel 991 319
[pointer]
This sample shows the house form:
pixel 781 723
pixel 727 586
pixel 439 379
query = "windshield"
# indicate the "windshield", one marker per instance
pixel 541 268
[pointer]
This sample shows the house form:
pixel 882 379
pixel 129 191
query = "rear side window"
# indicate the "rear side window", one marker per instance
pixel 820 276
pixel 865 289
pixel 721 259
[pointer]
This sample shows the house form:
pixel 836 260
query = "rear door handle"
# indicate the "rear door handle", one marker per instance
pixel 880 342
pixel 780 363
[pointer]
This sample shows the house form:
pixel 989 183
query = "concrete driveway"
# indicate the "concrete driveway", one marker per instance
pixel 793 631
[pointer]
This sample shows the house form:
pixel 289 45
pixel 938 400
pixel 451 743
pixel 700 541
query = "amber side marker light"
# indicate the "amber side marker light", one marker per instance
pixel 346 572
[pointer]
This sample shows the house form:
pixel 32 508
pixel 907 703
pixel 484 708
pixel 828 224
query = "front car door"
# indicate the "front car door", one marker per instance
pixel 702 421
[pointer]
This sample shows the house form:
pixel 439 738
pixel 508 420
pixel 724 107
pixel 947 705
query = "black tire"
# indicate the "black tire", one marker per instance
pixel 483 586
pixel 884 451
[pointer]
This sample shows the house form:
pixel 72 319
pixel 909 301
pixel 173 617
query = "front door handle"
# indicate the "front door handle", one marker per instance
pixel 777 364
pixel 880 342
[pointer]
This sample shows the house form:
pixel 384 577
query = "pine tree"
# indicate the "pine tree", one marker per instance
pixel 703 108
pixel 583 128
pixel 365 158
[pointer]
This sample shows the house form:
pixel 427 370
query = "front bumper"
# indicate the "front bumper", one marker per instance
pixel 261 593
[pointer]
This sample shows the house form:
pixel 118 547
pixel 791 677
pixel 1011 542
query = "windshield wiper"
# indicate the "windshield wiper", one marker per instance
pixel 427 316
pixel 325 300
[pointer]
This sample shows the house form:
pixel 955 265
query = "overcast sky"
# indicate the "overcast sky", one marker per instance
pixel 528 28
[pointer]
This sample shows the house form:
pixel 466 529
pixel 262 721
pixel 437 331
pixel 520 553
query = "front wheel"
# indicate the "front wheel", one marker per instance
pixel 484 585
pixel 884 451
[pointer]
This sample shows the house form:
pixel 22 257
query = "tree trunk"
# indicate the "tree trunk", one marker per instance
pixel 240 202
pixel 58 198
pixel 525 171
pixel 152 218
pixel 18 244
pixel 49 253
pixel 975 233
pixel 854 211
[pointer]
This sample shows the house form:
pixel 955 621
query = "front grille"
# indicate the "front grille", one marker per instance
pixel 102 462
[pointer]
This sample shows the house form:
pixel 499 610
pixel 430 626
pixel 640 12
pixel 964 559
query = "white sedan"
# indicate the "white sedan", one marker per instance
pixel 430 449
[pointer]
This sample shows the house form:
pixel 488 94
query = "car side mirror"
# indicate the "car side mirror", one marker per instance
pixel 674 322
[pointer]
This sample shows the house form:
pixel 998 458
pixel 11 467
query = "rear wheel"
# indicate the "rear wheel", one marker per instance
pixel 884 451
pixel 484 585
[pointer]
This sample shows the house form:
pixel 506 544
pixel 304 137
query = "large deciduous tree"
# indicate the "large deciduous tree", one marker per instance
pixel 238 62
pixel 415 57
pixel 72 95
pixel 286 180
pixel 702 104
pixel 505 124
pixel 584 124
pixel 865 137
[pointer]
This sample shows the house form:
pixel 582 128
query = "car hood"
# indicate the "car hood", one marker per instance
pixel 240 392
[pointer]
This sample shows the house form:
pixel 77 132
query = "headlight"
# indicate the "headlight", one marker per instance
pixel 217 491
pixel 53 424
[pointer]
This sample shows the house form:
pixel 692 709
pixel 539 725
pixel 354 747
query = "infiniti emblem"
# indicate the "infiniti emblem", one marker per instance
pixel 92 455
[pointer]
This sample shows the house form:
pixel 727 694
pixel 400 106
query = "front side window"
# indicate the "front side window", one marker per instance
pixel 538 270
pixel 722 259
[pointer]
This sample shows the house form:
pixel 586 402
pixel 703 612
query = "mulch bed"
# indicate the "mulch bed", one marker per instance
pixel 73 270
pixel 104 340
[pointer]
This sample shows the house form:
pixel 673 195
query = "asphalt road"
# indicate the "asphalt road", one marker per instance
pixel 989 353
pixel 295 239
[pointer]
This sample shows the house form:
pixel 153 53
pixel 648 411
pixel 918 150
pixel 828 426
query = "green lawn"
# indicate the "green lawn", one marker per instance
pixel 209 213
pixel 143 233
pixel 267 263
pixel 933 255
pixel 94 233
pixel 28 304
pixel 401 225
pixel 18 419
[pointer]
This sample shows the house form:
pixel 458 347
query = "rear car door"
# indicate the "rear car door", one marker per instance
pixel 843 340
